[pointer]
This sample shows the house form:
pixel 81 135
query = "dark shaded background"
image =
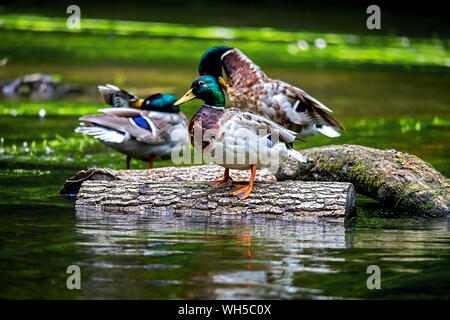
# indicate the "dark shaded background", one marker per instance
pixel 429 18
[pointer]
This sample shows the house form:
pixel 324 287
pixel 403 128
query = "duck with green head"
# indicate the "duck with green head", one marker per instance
pixel 234 138
pixel 251 89
pixel 140 128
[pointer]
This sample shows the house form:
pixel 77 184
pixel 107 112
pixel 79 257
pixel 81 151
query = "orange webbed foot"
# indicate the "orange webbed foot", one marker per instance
pixel 225 180
pixel 243 192
pixel 218 183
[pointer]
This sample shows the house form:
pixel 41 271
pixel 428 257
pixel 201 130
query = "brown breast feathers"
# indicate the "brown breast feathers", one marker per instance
pixel 205 122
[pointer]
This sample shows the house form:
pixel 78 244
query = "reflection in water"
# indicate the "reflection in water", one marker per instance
pixel 220 257
pixel 167 257
pixel 135 256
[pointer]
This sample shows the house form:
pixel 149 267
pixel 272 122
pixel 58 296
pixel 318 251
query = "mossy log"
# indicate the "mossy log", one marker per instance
pixel 395 179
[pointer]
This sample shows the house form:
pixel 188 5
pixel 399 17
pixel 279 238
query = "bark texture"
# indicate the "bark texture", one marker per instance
pixel 395 179
pixel 290 200
pixel 166 174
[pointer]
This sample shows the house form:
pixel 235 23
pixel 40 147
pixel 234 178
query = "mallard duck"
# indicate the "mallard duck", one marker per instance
pixel 139 128
pixel 234 138
pixel 251 89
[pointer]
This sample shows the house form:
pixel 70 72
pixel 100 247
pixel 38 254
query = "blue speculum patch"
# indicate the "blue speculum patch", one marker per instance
pixel 141 122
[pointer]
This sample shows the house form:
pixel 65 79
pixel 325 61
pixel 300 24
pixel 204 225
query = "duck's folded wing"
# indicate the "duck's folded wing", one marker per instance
pixel 258 123
pixel 305 109
pixel 162 118
pixel 144 132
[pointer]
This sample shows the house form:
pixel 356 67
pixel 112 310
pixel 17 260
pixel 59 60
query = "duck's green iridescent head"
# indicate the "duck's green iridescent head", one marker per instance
pixel 211 62
pixel 160 102
pixel 206 88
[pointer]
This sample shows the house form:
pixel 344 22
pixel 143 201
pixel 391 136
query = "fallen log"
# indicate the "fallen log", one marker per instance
pixel 394 178
pixel 181 190
pixel 288 200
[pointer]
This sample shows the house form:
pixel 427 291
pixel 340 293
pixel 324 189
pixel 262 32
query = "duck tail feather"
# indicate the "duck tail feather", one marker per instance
pixel 115 96
pixel 328 131
pixel 327 119
pixel 296 155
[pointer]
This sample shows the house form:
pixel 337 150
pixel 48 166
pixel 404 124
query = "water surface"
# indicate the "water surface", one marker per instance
pixel 167 257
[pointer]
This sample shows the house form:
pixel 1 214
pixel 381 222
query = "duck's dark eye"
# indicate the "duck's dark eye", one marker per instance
pixel 202 84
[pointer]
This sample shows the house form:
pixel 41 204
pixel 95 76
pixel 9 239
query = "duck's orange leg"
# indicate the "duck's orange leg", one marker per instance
pixel 128 162
pixel 226 180
pixel 244 191
pixel 150 162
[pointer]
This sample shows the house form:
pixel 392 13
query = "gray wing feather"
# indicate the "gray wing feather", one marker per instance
pixel 257 122
pixel 123 124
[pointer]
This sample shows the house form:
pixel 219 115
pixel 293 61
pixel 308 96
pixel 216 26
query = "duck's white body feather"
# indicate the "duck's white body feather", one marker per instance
pixel 243 138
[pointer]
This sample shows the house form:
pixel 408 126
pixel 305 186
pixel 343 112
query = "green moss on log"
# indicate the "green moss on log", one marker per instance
pixel 395 179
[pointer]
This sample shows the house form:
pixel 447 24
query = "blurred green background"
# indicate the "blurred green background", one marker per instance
pixel 388 87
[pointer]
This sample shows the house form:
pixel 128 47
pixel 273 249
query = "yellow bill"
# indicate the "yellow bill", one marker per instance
pixel 137 103
pixel 222 82
pixel 187 97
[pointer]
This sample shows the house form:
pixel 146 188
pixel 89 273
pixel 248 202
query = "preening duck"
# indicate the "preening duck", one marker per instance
pixel 140 128
pixel 251 89
pixel 234 138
